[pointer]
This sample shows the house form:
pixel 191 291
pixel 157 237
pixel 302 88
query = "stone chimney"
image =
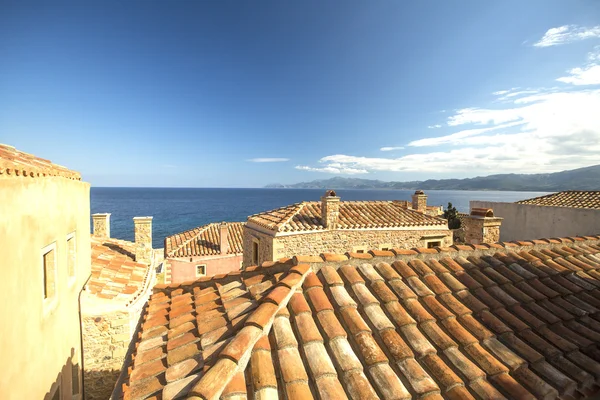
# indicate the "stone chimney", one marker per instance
pixel 480 226
pixel 223 238
pixel 419 201
pixel 101 225
pixel 330 209
pixel 143 239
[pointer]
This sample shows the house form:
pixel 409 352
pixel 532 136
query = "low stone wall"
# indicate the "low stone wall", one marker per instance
pixel 341 241
pixel 106 338
pixel 338 241
pixel 526 221
pixel 107 332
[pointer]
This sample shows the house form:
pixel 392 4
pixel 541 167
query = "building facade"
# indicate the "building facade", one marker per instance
pixel 122 277
pixel 204 251
pixel 562 214
pixel 45 253
pixel 334 226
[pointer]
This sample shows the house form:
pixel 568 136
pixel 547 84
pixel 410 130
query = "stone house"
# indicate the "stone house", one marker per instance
pixel 45 253
pixel 568 213
pixel 336 226
pixel 203 251
pixel 122 277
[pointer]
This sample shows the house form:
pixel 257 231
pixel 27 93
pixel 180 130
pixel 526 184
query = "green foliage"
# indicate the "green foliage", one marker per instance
pixel 452 216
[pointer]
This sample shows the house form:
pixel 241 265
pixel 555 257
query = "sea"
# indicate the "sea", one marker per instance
pixel 176 210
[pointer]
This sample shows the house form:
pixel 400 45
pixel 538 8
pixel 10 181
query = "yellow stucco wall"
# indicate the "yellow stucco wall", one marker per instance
pixel 40 338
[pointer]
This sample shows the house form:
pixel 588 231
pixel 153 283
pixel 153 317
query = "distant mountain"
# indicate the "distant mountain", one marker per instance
pixel 587 178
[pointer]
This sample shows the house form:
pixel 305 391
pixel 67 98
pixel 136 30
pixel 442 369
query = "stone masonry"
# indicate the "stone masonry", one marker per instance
pixel 338 241
pixel 106 339
pixel 481 226
pixel 419 201
pixel 143 239
pixel 101 225
pixel 330 209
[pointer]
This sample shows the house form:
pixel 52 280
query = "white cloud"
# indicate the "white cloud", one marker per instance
pixel 545 132
pixel 567 34
pixel 333 170
pixel 586 75
pixel 525 130
pixel 458 136
pixel 436 126
pixel 268 159
pixel 391 148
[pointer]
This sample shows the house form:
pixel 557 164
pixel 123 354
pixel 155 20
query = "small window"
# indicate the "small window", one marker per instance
pixel 255 253
pixel 201 270
pixel 360 251
pixel 49 271
pixel 71 255
pixel 385 248
pixel 431 245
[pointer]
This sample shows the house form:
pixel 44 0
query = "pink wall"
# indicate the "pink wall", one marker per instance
pixel 183 270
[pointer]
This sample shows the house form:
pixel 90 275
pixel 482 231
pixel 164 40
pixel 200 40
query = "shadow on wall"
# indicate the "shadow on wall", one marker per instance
pixel 67 384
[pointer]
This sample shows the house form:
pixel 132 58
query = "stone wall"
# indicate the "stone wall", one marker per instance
pixel 526 221
pixel 105 341
pixel 107 331
pixel 265 248
pixel 143 239
pixel 338 241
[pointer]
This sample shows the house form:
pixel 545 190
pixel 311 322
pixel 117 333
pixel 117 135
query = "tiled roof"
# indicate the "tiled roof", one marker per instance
pixel 15 163
pixel 204 241
pixel 115 274
pixel 571 198
pixel 306 216
pixel 510 320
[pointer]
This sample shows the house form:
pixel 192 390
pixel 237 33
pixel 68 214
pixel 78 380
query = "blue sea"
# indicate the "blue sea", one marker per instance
pixel 178 209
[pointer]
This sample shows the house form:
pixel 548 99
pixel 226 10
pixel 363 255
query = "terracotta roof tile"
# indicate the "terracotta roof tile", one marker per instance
pixel 114 273
pixel 15 164
pixel 571 198
pixel 376 330
pixel 205 241
pixel 306 216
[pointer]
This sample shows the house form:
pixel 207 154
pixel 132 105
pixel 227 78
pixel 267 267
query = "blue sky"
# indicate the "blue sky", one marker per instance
pixel 201 94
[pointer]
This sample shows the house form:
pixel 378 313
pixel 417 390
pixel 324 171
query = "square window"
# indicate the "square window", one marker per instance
pixel 49 271
pixel 71 255
pixel 201 270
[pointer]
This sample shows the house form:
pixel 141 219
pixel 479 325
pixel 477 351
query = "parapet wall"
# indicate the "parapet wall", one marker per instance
pixel 523 221
pixel 107 332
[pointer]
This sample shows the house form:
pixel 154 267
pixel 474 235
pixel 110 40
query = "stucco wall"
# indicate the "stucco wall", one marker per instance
pixel 337 241
pixel 182 270
pixel 40 338
pixel 524 221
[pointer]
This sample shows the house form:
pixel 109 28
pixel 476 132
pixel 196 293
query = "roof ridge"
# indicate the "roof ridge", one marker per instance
pixel 236 354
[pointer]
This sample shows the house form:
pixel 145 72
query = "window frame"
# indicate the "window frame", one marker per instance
pixel 72 278
pixel 49 302
pixel 203 266
pixel 255 254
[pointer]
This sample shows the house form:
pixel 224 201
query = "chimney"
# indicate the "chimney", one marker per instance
pixel 330 209
pixel 143 239
pixel 223 238
pixel 480 226
pixel 101 225
pixel 419 201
